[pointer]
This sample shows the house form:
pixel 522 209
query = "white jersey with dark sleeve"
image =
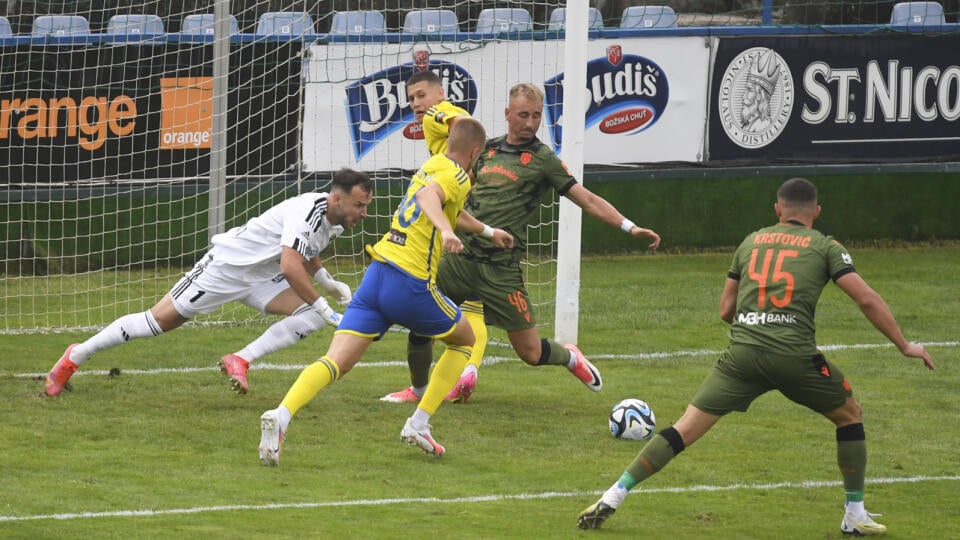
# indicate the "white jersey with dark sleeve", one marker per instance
pixel 255 247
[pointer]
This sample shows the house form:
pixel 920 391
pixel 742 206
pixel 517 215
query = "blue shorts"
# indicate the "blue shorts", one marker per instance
pixel 388 296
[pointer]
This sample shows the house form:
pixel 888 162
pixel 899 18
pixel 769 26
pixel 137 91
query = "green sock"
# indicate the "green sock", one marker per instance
pixel 559 356
pixel 419 358
pixel 654 456
pixel 852 459
pixel 627 481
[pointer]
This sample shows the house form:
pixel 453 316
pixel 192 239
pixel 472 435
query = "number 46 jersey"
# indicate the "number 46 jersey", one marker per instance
pixel 782 271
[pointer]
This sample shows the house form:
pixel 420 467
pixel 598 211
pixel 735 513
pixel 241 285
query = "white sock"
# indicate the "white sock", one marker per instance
pixel 283 414
pixel 283 333
pixel 573 360
pixel 615 495
pixel 120 331
pixel 420 419
pixel 419 390
pixel 856 508
pixel 470 369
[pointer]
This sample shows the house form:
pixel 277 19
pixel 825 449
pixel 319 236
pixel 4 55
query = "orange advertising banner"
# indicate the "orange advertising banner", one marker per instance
pixel 186 118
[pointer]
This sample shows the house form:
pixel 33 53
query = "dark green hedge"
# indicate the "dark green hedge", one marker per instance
pixel 720 212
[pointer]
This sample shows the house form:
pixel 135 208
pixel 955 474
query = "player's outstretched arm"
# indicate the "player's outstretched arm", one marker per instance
pixel 430 200
pixel 294 268
pixel 337 289
pixel 599 208
pixel 501 238
pixel 878 313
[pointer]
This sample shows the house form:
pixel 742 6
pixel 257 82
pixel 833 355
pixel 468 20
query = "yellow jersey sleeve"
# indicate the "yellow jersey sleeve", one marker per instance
pixel 436 125
pixel 413 243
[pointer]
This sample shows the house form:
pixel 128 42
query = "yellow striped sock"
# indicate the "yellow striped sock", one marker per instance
pixel 473 311
pixel 444 376
pixel 311 380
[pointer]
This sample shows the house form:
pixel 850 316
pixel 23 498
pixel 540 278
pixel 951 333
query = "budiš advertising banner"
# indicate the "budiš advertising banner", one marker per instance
pixel 836 99
pixel 645 98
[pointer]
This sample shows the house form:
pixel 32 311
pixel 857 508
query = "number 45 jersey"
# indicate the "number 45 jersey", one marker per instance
pixel 782 271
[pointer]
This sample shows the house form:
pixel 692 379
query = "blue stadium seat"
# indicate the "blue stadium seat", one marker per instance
pixel 134 24
pixel 358 22
pixel 648 17
pixel 60 25
pixel 430 21
pixel 203 23
pixel 504 20
pixel 558 19
pixel 285 23
pixel 917 14
pixel 5 29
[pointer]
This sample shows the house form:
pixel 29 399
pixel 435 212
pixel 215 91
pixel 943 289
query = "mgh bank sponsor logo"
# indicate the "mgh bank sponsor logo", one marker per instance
pixel 756 97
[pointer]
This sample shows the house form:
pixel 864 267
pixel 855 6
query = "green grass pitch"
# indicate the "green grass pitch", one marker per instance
pixel 158 452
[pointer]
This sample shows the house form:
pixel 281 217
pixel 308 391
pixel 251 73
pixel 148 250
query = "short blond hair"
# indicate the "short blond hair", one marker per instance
pixel 528 91
pixel 466 134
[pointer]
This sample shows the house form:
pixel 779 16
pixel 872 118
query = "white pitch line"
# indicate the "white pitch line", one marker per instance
pixel 488 360
pixel 807 484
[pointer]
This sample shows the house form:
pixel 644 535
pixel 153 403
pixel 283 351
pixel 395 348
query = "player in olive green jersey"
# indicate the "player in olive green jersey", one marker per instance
pixel 513 174
pixel 769 300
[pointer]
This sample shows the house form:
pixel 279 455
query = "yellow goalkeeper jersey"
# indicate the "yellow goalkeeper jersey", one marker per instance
pixel 436 125
pixel 413 244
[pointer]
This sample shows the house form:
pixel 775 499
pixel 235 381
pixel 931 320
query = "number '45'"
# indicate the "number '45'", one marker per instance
pixel 763 277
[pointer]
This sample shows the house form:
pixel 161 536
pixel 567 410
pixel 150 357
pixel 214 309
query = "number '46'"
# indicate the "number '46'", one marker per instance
pixel 763 277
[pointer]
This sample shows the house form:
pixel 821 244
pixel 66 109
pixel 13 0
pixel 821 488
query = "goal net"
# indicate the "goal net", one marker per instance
pixel 107 133
pixel 116 172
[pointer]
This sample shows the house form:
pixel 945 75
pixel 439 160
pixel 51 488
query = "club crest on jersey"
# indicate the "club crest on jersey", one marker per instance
pixel 627 94
pixel 377 105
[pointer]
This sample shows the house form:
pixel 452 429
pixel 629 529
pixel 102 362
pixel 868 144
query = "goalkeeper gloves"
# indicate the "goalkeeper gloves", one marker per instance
pixel 326 312
pixel 336 289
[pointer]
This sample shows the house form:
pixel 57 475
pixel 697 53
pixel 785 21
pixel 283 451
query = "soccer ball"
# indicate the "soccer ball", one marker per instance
pixel 632 419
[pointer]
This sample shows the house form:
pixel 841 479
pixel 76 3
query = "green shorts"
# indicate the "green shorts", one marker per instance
pixel 743 373
pixel 506 303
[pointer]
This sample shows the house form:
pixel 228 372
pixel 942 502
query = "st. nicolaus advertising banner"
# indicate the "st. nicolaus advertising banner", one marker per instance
pixel 836 99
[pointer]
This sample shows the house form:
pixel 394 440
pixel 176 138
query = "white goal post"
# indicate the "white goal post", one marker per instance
pixel 568 249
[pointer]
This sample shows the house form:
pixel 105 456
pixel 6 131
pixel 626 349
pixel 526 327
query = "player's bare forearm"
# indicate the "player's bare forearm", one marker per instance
pixel 501 238
pixel 430 199
pixel 466 222
pixel 601 209
pixel 293 268
pixel 876 310
pixel 312 265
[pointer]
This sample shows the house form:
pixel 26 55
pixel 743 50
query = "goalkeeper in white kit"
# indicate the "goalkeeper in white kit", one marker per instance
pixel 265 264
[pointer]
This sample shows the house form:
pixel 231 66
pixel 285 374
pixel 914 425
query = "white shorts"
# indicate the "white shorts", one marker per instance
pixel 211 284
